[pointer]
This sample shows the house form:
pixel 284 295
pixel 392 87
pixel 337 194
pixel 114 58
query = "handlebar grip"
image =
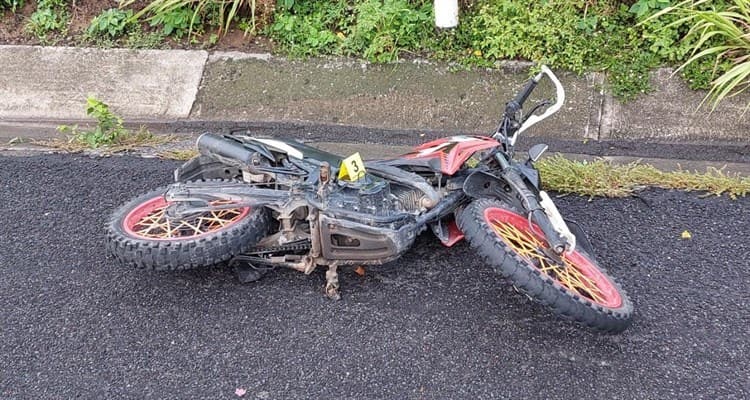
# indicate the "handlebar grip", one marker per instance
pixel 524 94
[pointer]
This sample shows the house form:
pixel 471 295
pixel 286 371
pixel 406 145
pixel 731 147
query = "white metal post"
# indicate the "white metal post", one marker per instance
pixel 446 13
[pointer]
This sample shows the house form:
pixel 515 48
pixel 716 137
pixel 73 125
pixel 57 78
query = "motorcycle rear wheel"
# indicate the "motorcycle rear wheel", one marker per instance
pixel 140 235
pixel 574 287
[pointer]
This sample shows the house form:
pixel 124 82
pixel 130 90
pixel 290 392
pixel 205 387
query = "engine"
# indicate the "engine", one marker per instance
pixel 375 196
pixel 363 221
pixel 370 195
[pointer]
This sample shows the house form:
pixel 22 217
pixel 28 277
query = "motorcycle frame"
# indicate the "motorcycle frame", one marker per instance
pixel 379 239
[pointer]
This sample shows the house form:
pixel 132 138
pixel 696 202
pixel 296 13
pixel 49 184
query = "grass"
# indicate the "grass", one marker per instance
pixel 604 179
pixel 732 25
pixel 179 154
pixel 125 142
pixel 109 134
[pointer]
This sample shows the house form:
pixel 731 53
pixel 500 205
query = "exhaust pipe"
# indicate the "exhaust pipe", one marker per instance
pixel 224 149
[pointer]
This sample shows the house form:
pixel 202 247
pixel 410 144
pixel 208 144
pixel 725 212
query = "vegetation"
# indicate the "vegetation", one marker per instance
pixel 187 15
pixel 377 30
pixel 722 35
pixel 602 178
pixel 108 132
pixel 111 24
pixel 50 16
pixel 179 154
pixel 626 39
pixel 11 5
pixel 381 32
pixel 176 22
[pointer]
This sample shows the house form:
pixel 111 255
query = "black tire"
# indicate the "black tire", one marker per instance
pixel 207 249
pixel 536 284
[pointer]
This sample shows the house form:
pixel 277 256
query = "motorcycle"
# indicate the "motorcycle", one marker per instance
pixel 262 203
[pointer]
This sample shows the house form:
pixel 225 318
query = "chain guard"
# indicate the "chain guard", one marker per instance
pixel 299 245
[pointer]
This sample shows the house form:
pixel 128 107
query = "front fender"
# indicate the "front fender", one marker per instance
pixel 482 184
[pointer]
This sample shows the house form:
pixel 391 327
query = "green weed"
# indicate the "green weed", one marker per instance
pixel 171 13
pixel 642 8
pixel 51 16
pixel 310 28
pixel 109 132
pixel 376 30
pixel 382 30
pixel 138 39
pixel 111 24
pixel 174 22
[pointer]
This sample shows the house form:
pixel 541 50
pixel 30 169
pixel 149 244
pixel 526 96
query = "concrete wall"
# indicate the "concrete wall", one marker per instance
pixel 39 84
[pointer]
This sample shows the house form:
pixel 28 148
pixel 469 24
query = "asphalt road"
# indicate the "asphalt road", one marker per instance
pixel 436 324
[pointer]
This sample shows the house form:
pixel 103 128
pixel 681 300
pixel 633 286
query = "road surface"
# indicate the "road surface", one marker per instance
pixel 436 324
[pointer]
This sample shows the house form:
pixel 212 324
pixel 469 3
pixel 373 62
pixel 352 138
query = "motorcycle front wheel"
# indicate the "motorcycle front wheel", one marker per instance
pixel 573 286
pixel 140 234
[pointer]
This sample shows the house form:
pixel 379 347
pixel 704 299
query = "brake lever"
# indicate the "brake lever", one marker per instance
pixel 541 104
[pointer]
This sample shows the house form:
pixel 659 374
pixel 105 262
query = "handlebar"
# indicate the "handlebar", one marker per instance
pixel 517 103
pixel 560 95
pixel 524 94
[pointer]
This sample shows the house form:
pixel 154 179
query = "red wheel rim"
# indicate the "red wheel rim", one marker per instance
pixel 578 275
pixel 148 221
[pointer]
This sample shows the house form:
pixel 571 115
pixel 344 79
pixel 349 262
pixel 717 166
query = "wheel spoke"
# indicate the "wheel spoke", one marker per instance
pixel 155 225
pixel 529 247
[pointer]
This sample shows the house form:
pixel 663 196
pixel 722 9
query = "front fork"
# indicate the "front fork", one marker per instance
pixel 540 208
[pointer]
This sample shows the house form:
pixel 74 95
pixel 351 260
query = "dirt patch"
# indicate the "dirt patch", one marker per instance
pixel 13 28
pixel 12 25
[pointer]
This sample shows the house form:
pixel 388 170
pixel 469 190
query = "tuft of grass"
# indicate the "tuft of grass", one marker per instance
pixel 723 33
pixel 602 178
pixel 13 5
pixel 16 140
pixel 186 15
pixel 178 154
pixel 109 133
pixel 130 141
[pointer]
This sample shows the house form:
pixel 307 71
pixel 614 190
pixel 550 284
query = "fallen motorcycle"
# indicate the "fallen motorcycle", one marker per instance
pixel 262 203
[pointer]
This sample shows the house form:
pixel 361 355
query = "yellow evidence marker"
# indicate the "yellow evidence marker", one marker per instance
pixel 352 168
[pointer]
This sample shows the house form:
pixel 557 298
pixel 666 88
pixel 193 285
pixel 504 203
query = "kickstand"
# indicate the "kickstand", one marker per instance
pixel 332 283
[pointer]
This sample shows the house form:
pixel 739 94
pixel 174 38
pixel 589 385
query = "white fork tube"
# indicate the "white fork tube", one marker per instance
pixel 557 220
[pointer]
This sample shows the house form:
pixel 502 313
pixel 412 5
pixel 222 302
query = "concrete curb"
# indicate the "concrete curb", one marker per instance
pixel 44 86
pixel 53 82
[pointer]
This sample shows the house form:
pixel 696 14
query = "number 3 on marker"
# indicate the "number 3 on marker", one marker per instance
pixel 352 168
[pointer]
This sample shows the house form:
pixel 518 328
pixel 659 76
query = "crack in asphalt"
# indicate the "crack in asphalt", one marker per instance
pixel 434 324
